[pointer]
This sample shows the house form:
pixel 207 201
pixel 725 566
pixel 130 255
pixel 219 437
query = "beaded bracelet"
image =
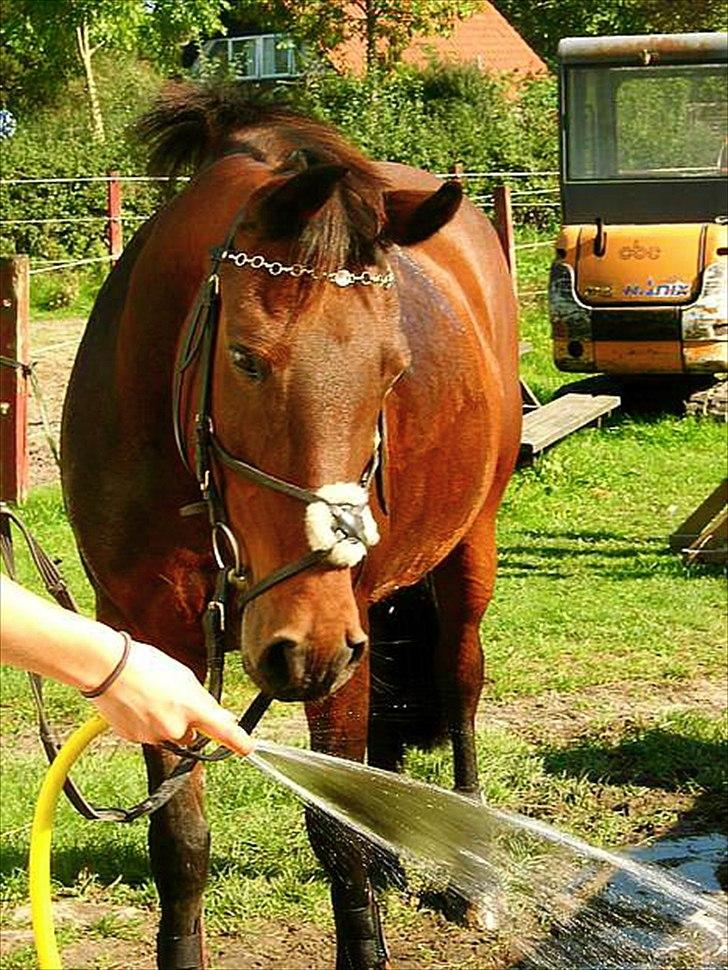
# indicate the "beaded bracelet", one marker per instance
pixel 105 684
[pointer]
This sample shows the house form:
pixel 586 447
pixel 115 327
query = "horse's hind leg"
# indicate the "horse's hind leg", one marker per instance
pixel 179 850
pixel 338 726
pixel 464 586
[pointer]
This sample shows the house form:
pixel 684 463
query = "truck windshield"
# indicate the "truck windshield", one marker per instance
pixel 634 123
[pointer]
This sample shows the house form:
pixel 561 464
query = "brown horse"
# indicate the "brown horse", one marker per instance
pixel 356 394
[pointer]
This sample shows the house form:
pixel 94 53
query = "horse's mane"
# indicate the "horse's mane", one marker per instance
pixel 191 125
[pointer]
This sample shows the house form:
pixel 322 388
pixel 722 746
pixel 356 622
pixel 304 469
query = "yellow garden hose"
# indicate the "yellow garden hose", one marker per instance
pixel 39 867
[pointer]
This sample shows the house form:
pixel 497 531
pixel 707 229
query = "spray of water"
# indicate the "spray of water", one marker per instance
pixel 554 901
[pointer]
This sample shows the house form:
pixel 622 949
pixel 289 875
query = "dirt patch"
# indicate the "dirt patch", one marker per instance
pixel 124 939
pixel 563 718
pixel 53 346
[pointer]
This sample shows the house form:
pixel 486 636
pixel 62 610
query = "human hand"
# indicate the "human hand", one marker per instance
pixel 155 698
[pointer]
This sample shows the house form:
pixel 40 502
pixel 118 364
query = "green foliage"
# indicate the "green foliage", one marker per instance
pixel 543 23
pixel 63 292
pixel 56 143
pixel 41 43
pixel 433 119
pixel 448 115
pixel 383 28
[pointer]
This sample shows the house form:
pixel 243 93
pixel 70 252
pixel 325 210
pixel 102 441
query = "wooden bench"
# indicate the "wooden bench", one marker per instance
pixel 543 426
pixel 703 536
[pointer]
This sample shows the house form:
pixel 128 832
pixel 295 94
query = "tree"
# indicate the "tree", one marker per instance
pixel 542 23
pixel 384 27
pixel 48 42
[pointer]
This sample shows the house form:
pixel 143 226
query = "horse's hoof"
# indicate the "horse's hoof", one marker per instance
pixel 179 952
pixel 482 913
pixel 359 938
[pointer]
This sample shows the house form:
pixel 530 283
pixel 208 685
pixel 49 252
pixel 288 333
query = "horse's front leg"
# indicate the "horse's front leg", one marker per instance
pixel 179 851
pixel 338 726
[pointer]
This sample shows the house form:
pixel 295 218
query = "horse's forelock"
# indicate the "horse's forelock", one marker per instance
pixel 190 125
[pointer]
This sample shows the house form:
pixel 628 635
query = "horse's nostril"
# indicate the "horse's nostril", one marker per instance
pixel 357 648
pixel 282 661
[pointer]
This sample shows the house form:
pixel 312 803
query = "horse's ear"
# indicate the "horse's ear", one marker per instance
pixel 415 216
pixel 284 210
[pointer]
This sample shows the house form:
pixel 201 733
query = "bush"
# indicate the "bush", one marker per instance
pixel 432 119
pixel 56 142
pixel 62 292
pixel 448 115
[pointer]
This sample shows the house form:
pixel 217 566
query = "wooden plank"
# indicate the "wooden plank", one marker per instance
pixel 712 543
pixel 548 424
pixel 503 222
pixel 14 348
pixel 703 536
pixel 691 528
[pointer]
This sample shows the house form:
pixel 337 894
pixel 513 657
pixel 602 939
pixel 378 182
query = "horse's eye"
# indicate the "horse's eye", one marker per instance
pixel 249 363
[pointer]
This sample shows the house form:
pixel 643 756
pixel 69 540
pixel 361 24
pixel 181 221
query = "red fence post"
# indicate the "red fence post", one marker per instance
pixel 15 351
pixel 113 209
pixel 503 221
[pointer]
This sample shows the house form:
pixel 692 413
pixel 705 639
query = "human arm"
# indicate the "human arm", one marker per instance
pixel 154 698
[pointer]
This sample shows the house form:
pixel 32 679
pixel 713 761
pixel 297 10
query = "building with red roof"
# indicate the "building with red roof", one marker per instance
pixel 486 40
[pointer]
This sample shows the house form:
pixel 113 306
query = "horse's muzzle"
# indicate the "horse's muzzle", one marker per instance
pixel 287 668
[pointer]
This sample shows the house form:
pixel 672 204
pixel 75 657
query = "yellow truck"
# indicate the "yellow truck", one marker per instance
pixel 639 285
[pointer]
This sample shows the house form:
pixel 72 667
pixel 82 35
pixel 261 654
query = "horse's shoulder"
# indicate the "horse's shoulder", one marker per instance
pixel 111 297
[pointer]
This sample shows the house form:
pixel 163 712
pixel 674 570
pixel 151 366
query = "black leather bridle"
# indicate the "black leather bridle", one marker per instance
pixel 198 344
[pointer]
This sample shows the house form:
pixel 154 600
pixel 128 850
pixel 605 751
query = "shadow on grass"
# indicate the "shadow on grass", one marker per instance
pixel 655 758
pixel 108 860
pixel 558 555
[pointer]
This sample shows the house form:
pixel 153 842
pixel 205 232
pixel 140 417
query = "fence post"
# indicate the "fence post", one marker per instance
pixel 113 209
pixel 457 170
pixel 503 221
pixel 15 351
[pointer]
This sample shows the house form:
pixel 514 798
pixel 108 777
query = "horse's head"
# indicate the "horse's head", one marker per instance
pixel 303 360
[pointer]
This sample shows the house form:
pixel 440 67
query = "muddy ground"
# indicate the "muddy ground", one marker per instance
pixel 53 345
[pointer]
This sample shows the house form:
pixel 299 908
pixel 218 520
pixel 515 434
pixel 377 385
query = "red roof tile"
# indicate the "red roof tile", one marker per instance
pixel 486 39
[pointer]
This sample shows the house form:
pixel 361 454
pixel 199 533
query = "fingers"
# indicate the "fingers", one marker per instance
pixel 187 738
pixel 222 727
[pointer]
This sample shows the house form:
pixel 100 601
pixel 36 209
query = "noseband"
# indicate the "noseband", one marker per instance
pixel 350 526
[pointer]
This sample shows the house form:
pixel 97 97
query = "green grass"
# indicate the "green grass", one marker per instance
pixel 588 591
pixel 588 598
pixel 60 294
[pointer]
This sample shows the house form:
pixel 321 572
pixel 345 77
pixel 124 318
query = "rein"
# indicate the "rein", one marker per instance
pixel 56 586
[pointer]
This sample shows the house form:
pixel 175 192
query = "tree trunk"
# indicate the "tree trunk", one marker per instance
pixel 85 52
pixel 371 36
